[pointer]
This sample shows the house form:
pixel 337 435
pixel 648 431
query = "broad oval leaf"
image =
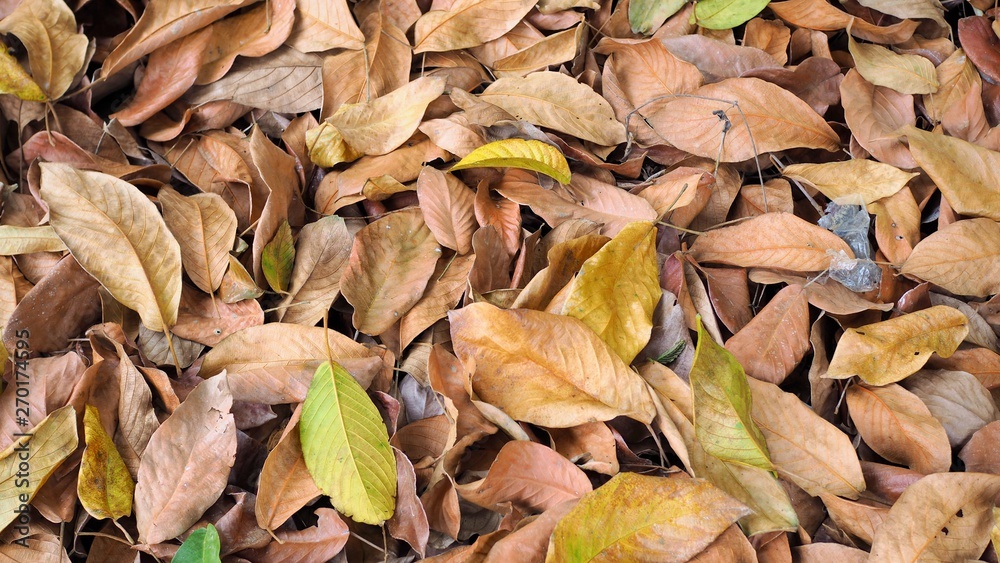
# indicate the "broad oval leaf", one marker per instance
pixel 105 486
pixel 49 443
pixel 888 351
pixel 726 14
pixel 48 31
pixel 646 16
pixel 321 25
pixel 962 258
pixel 805 449
pixel 202 546
pixel 519 153
pixel 531 477
pixel 942 517
pixel 722 404
pixel 773 343
pixel 346 448
pixel 467 23
pixel 967 174
pixel 906 74
pixel 772 240
pixel 285 484
pixel 448 206
pixel 25 240
pixel 15 80
pixel 769 119
pixel 546 369
pixel 898 426
pixel 870 179
pixel 186 464
pixel 391 262
pixel 117 235
pixel 617 290
pixel 637 517
pixel 321 255
pixel 554 100
pixel 205 228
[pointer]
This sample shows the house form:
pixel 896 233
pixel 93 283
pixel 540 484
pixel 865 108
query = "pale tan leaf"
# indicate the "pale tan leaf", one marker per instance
pixel 805 449
pixel 186 464
pixel 571 378
pixel 48 31
pixel 897 425
pixel 253 33
pixel 285 81
pixel 381 125
pixel 555 49
pixel 906 74
pixel 321 25
pixel 100 216
pixel 961 258
pixel 909 9
pixel 771 119
pixel 966 173
pixel 943 517
pixel 467 23
pixel 205 228
pixel 445 288
pixel 390 264
pixel 772 240
pixel 321 254
pixel 26 240
pixel 867 178
pixel 957 399
pixel 554 100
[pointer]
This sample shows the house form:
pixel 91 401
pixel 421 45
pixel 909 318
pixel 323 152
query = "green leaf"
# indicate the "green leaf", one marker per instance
pixel 202 546
pixel 278 258
pixel 722 404
pixel 519 153
pixel 726 14
pixel 105 486
pixel 346 446
pixel 618 289
pixel 637 517
pixel 672 353
pixel 646 16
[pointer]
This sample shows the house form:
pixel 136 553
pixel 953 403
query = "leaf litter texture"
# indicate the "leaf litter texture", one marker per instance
pixel 492 218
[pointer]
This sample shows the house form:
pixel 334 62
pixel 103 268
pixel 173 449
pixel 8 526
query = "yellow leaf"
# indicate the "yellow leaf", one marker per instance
pixel 637 517
pixel 15 80
pixel 722 403
pixel 346 448
pixel 46 446
pixel 546 369
pixel 383 124
pixel 119 237
pixel 617 290
pixel 888 351
pixel 327 148
pixel 278 258
pixel 105 486
pixel 869 179
pixel 519 153
pixel 906 74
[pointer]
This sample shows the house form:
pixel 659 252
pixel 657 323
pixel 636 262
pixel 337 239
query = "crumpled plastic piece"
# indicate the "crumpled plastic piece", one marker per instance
pixel 850 222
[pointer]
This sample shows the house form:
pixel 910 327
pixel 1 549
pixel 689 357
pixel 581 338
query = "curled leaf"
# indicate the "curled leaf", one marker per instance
pixel 519 153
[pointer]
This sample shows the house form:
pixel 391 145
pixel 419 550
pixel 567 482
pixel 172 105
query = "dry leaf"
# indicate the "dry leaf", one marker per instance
pixel 868 179
pixel 773 343
pixel 467 23
pixel 56 52
pixel 906 74
pixel 205 228
pixel 321 25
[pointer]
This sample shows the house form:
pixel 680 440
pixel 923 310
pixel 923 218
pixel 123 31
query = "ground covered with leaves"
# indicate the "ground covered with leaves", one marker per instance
pixel 500 280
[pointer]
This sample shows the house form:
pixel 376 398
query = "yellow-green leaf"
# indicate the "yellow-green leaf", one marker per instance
pixel 15 80
pixel 726 14
pixel 888 351
pixel 346 447
pixel 119 237
pixel 646 16
pixel 637 517
pixel 278 258
pixel 519 153
pixel 722 404
pixel 45 447
pixel 105 486
pixel 870 179
pixel 618 289
pixel 25 240
pixel 202 546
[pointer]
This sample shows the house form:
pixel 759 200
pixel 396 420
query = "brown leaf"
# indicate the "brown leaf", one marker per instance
pixel 390 264
pixel 205 228
pixel 284 80
pixel 773 343
pixel 323 25
pixel 321 254
pixel 960 258
pixel 980 454
pixel 193 450
pixel 692 124
pixel 48 31
pixel 445 288
pixel 898 426
pixel 467 23
pixel 285 484
pixel 447 205
pixel 202 319
pixel 980 43
pixel 874 114
pixel 320 542
pixel 409 521
pixel 820 15
pixel 957 399
pixel 772 240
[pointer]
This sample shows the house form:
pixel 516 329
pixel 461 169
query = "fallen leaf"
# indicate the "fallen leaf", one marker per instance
pixel 321 255
pixel 868 179
pixel 448 208
pixel 906 74
pixel 957 399
pixel 191 452
pixel 726 14
pixel 874 114
pixel 617 290
pixel 285 484
pixel 959 257
pixel 322 26
pixel 48 31
pixel 547 385
pixel 202 546
pixel 205 228
pixel 15 80
pixel 105 486
pixel 467 23
pixel 346 447
pixel 277 259
pixel 643 518
pixel 26 240
pixel 96 214
pixel 519 153
pixel 822 16
pixel 773 343
pixel 888 351
pixel 646 16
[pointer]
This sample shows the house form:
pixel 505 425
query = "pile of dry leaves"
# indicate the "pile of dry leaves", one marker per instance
pixel 500 280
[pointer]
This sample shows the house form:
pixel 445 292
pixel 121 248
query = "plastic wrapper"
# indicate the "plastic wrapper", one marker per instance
pixel 850 222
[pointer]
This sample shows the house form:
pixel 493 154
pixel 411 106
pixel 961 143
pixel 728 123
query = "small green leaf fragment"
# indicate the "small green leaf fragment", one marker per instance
pixel 202 546
pixel 278 258
pixel 726 14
